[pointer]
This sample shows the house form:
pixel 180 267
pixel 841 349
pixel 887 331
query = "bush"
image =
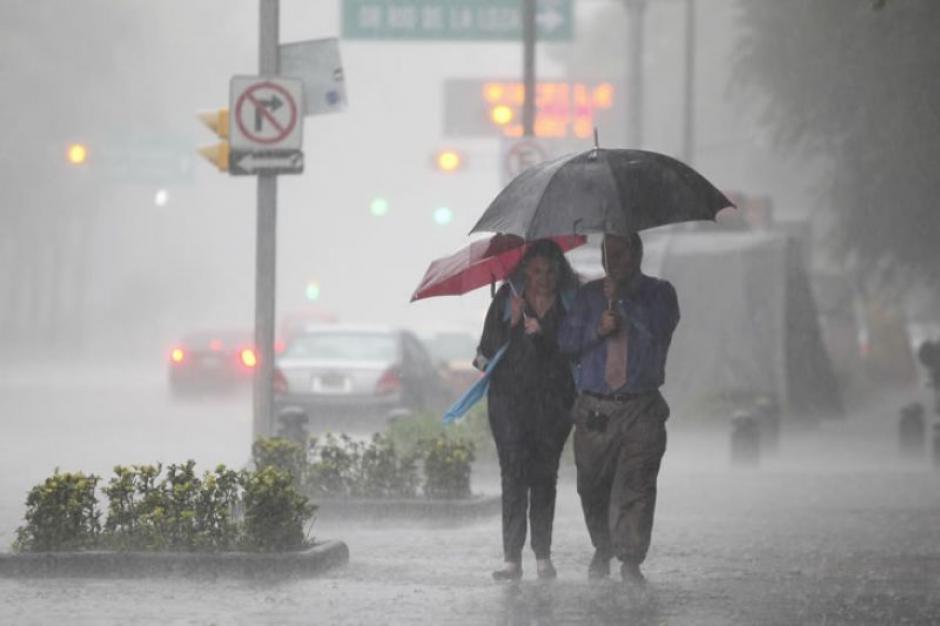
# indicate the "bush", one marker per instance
pixel 447 467
pixel 347 468
pixel 61 514
pixel 383 474
pixel 181 511
pixel 274 512
pixel 281 453
pixel 335 470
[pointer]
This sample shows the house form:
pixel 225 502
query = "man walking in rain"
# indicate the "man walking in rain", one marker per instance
pixel 618 332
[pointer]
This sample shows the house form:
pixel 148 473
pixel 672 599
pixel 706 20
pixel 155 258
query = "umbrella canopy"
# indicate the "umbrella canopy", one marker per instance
pixel 601 191
pixel 481 263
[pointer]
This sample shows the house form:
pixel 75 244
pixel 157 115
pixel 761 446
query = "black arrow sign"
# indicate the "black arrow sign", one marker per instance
pixel 273 103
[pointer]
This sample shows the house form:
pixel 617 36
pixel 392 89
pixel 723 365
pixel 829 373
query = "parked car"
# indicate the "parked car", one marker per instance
pixel 453 352
pixel 341 374
pixel 212 362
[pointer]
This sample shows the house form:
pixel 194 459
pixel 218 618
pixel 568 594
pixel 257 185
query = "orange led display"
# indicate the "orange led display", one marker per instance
pixel 562 109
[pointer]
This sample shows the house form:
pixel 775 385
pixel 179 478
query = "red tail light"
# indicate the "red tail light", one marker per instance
pixel 248 357
pixel 177 355
pixel 279 383
pixel 390 382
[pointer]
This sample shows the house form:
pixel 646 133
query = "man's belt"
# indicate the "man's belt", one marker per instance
pixel 616 397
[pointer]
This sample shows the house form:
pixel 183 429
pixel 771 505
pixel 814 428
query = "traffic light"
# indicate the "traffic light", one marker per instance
pixel 378 207
pixel 313 291
pixel 218 122
pixel 77 154
pixel 448 161
pixel 443 216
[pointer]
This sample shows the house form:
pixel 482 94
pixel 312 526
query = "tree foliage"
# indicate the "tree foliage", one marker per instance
pixel 856 82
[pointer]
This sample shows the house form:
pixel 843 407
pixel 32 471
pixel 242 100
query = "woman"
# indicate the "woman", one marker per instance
pixel 529 400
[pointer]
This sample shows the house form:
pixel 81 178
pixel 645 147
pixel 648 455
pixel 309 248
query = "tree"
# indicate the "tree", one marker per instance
pixel 856 82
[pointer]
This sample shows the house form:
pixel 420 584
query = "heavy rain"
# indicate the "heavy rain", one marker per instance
pixel 311 241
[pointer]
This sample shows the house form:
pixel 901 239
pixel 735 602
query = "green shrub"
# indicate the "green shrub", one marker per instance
pixel 447 467
pixel 181 511
pixel 385 474
pixel 275 512
pixel 136 508
pixel 216 503
pixel 281 453
pixel 61 514
pixel 336 468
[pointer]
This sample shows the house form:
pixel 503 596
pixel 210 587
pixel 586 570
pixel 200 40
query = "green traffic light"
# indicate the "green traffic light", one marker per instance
pixel 313 291
pixel 443 216
pixel 378 207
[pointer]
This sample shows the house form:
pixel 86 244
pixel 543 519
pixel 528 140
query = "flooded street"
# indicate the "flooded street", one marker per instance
pixel 832 529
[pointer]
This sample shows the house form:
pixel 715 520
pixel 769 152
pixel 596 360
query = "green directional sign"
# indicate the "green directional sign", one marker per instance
pixel 462 20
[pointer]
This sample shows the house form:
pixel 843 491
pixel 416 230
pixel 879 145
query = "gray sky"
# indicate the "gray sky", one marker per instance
pixel 190 264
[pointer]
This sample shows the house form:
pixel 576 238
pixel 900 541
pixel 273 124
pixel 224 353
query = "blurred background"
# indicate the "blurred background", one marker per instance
pixel 117 238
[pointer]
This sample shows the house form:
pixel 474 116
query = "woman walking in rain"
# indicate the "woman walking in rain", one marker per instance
pixel 529 400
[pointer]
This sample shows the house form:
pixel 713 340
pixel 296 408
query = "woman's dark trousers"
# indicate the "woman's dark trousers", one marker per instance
pixel 530 434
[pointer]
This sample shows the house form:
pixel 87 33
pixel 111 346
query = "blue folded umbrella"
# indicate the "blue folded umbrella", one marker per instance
pixel 476 391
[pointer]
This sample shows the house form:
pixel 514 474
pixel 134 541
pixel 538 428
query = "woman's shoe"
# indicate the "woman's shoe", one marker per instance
pixel 546 571
pixel 510 571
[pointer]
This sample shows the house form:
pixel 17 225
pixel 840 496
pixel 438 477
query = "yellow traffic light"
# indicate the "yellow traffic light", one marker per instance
pixel 448 160
pixel 218 122
pixel 77 154
pixel 218 154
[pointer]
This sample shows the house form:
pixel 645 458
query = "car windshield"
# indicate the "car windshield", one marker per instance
pixel 340 346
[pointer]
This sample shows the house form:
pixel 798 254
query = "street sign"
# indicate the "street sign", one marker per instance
pixel 266 113
pixel 250 163
pixel 519 155
pixel 315 62
pixel 466 20
pixel 571 108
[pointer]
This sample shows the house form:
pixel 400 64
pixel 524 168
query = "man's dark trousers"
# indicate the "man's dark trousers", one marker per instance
pixel 618 446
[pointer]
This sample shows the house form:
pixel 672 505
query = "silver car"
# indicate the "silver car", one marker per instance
pixel 346 376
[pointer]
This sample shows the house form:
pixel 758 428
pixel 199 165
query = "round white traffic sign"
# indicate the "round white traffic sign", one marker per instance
pixel 265 113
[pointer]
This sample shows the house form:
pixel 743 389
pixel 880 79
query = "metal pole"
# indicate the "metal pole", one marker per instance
pixel 528 67
pixel 266 243
pixel 688 143
pixel 634 100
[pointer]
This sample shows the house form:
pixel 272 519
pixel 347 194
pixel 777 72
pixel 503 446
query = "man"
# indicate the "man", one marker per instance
pixel 618 331
pixel 929 355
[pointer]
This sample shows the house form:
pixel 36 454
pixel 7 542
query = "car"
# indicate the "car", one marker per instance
pixel 206 362
pixel 346 375
pixel 453 351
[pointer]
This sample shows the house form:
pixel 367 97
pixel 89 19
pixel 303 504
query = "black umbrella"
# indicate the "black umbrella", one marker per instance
pixel 601 191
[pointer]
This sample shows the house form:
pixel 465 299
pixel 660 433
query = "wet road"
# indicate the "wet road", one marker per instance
pixel 833 529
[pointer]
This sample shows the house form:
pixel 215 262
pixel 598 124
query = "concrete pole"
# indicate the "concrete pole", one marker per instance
pixel 634 87
pixel 266 244
pixel 528 67
pixel 688 139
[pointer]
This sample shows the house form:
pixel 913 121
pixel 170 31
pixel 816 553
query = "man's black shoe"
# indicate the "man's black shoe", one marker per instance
pixel 599 567
pixel 631 574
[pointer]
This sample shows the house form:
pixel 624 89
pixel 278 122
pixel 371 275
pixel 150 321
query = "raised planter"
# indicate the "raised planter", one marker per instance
pixel 105 564
pixel 396 510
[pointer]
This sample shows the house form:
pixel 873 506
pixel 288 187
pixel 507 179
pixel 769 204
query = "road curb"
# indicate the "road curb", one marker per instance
pixel 392 510
pixel 106 564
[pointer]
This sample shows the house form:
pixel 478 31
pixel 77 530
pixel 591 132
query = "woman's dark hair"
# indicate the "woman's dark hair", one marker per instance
pixel 552 252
